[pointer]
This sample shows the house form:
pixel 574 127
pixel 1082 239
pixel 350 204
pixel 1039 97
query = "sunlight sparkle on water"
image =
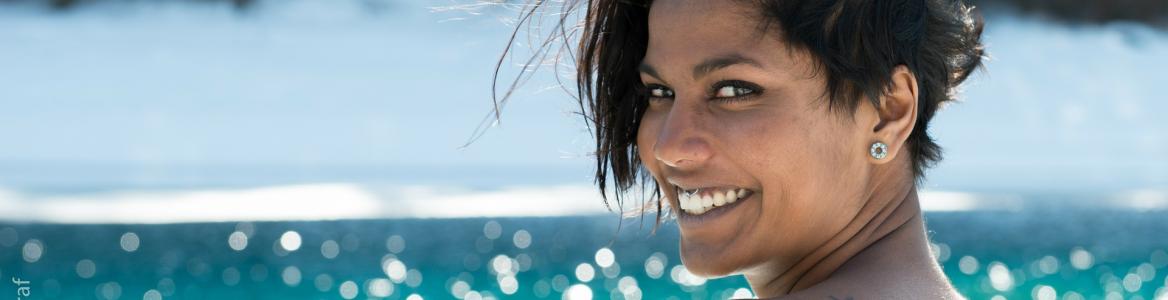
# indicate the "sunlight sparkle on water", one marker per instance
pixel 1081 259
pixel 323 282
pixel 655 265
pixel 578 292
pixel 1043 292
pixel 508 284
pixel 32 250
pixel 585 272
pixel 86 268
pixel 681 275
pixel 395 244
pixel 742 293
pixel 152 295
pixel 395 269
pixel 1132 282
pixel 604 257
pixel 1048 265
pixel 611 271
pixel 290 241
pixel 628 287
pixel 129 242
pixel 459 289
pixel 1000 277
pixel 521 239
pixel 503 265
pixel 968 265
pixel 492 230
pixel 348 289
pixel 379 287
pixel 291 276
pixel 330 249
pixel 237 241
pixel 230 276
pixel 413 278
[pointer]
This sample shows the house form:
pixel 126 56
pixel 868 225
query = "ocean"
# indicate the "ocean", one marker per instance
pixel 1069 253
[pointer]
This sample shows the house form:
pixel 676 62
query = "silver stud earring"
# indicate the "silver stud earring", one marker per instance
pixel 879 150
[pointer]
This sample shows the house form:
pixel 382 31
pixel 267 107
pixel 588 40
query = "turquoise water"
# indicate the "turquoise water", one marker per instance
pixel 1071 254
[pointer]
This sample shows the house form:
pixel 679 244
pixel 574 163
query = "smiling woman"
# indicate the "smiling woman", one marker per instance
pixel 787 137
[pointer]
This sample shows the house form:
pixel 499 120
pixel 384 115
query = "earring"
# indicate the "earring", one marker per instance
pixel 879 150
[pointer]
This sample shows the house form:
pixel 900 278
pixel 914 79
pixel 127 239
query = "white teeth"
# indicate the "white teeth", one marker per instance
pixel 697 210
pixel 719 199
pixel 685 200
pixel 696 204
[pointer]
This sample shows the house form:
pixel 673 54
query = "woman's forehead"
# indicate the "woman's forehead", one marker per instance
pixel 693 16
pixel 685 33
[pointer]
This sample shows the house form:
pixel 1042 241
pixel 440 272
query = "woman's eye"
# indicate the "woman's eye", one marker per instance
pixel 732 91
pixel 660 92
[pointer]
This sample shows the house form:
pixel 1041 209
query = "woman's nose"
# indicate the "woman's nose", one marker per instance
pixel 683 141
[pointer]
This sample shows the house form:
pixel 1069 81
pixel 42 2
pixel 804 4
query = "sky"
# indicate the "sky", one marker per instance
pixel 145 90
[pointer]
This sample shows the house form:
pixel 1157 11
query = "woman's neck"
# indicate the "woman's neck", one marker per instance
pixel 892 211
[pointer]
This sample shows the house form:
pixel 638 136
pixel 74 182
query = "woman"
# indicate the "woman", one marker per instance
pixel 786 136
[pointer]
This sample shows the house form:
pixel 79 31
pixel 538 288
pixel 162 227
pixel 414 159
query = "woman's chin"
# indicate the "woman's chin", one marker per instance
pixel 706 262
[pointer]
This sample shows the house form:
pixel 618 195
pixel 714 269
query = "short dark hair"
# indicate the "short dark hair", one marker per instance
pixel 856 45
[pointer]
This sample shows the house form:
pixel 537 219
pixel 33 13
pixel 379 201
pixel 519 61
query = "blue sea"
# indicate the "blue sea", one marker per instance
pixel 1038 254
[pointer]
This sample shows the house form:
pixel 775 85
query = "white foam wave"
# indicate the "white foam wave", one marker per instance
pixel 299 202
pixel 959 201
pixel 333 201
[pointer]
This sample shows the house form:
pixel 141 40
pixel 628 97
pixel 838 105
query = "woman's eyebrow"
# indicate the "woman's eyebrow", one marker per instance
pixel 647 69
pixel 722 61
pixel 707 66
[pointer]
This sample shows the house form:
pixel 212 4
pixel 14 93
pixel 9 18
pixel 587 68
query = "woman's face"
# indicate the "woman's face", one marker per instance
pixel 733 109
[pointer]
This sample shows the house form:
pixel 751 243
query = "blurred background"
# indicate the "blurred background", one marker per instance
pixel 314 149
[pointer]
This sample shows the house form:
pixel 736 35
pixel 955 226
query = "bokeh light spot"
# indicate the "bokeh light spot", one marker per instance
pixel 604 257
pixel 86 268
pixel 290 241
pixel 291 276
pixel 33 250
pixel 585 272
pixel 348 289
pixel 395 244
pixel 578 292
pixel 521 239
pixel 130 242
pixel 492 230
pixel 237 241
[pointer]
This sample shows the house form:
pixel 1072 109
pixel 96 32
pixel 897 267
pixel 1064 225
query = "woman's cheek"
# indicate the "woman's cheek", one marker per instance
pixel 646 138
pixel 758 139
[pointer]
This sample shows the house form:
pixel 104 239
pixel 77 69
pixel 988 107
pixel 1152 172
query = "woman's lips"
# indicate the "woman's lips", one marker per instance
pixel 702 200
pixel 695 214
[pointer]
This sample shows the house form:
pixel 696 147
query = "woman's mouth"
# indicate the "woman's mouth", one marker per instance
pixel 711 215
pixel 701 201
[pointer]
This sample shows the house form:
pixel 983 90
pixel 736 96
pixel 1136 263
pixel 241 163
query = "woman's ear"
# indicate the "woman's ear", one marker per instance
pixel 897 112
